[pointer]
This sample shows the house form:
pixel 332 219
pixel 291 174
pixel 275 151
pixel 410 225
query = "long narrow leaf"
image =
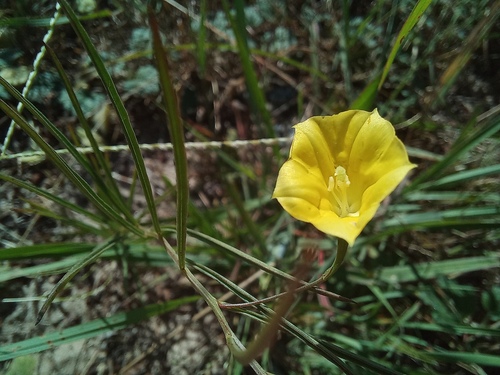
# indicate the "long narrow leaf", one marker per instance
pixel 466 357
pixel 54 198
pixel 177 134
pixel 107 185
pixel 411 21
pixel 473 41
pixel 52 268
pixel 221 245
pixel 452 267
pixel 88 259
pixel 256 94
pixel 462 176
pixel 44 250
pixel 453 329
pixel 45 22
pixel 458 149
pixel 48 125
pixel 201 42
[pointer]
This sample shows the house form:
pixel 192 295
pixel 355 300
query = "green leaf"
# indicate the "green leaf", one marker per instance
pixel 176 130
pixel 45 250
pixel 54 267
pixel 45 22
pixel 107 185
pixel 365 100
pixel 54 198
pixel 424 271
pixel 85 261
pixel 201 42
pixel 453 329
pixel 466 357
pixel 464 144
pixel 463 176
pixel 256 94
pixel 410 22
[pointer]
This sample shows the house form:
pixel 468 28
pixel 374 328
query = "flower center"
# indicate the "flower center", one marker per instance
pixel 337 185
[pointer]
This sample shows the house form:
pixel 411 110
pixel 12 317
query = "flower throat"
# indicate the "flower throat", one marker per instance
pixel 337 185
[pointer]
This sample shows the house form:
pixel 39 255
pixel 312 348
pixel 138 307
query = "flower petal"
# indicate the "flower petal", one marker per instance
pixel 384 186
pixel 310 148
pixel 347 228
pixel 300 189
pixel 339 132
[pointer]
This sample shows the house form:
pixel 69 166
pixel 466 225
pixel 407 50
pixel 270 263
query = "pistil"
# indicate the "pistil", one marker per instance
pixel 337 185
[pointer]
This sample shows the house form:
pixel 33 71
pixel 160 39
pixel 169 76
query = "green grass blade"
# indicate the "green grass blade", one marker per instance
pixel 69 172
pixel 45 22
pixel 454 196
pixel 201 42
pixel 52 268
pixel 76 223
pixel 88 259
pixel 453 329
pixel 226 248
pixel 329 350
pixel 472 217
pixel 425 271
pixel 117 102
pixel 202 218
pixel 107 184
pixel 256 94
pixel 465 357
pixel 245 296
pixel 54 198
pixel 49 126
pixel 342 30
pixel 90 329
pixel 410 22
pixel 73 252
pixel 473 41
pixel 463 176
pixel 458 149
pixel 365 100
pixel 176 130
pixel 44 250
pixel 397 320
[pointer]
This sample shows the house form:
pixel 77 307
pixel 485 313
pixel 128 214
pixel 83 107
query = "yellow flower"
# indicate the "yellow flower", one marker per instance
pixel 339 170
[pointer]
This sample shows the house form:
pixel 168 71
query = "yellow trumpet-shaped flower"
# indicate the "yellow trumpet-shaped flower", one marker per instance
pixel 340 169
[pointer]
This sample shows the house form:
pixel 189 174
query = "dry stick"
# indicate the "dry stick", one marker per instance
pixel 266 336
pixel 36 155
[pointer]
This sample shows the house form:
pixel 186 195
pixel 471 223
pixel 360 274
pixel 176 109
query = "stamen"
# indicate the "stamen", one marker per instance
pixel 331 184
